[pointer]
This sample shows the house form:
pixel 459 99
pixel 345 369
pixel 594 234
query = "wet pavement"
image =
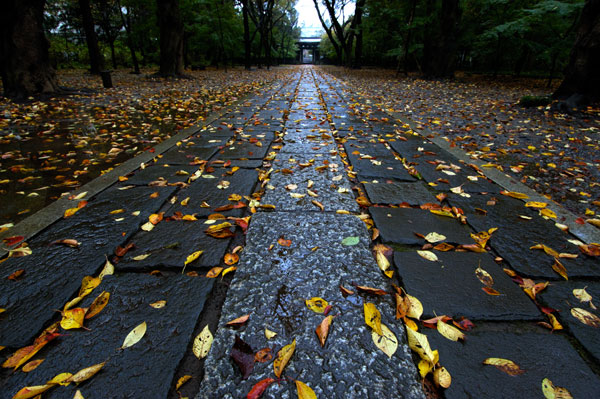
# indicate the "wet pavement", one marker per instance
pixel 321 186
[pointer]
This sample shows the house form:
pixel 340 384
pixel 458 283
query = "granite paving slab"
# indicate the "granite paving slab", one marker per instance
pixel 540 354
pixel 516 235
pixel 560 296
pixel 170 243
pixel 53 273
pixel 399 225
pixel 302 148
pixel 145 369
pixel 243 150
pixel 169 173
pixel 272 285
pixel 214 193
pixel 373 160
pixel 187 155
pixel 397 193
pixel 451 287
pixel 330 184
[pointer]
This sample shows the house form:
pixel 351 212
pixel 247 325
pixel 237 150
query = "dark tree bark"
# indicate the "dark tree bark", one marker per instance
pixel 96 60
pixel 360 5
pixel 127 25
pixel 328 30
pixel 171 38
pixel 24 60
pixel 440 48
pixel 581 74
pixel 247 42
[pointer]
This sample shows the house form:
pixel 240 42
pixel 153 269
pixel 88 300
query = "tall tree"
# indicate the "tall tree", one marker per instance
pixel 126 20
pixel 581 74
pixel 24 61
pixel 171 38
pixel 247 42
pixel 96 60
pixel 441 43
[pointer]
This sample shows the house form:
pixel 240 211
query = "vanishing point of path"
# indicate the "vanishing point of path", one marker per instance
pixel 304 190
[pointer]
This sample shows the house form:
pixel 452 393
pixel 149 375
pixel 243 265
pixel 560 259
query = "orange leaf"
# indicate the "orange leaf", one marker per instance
pixel 283 242
pixel 214 272
pixel 490 291
pixel 240 321
pixel 323 329
pixel 263 355
pixel 231 259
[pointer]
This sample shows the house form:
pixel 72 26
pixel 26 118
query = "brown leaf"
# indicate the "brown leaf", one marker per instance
pixel 240 321
pixel 370 290
pixel 323 329
pixel 490 291
pixel 560 269
pixel 243 355
pixel 508 366
pixel 263 355
pixel 586 317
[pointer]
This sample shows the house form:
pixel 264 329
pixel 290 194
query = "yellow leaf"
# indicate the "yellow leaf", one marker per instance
pixel 552 392
pixel 586 317
pixel 304 391
pixel 415 309
pixel 583 296
pixel 108 270
pixel 484 277
pixel 560 269
pixel 283 357
pixel 228 270
pixel 514 194
pixel 442 378
pixel 30 392
pixel 159 304
pixel 72 303
pixel 202 343
pixel 86 373
pixel 234 197
pixel 60 379
pixel 428 255
pixel 78 395
pixel 214 272
pixel 508 366
pixel 410 324
pixel 72 318
pixel 88 283
pixel 434 237
pixel 182 381
pixel 554 322
pixel 269 334
pixel 134 336
pixel 192 257
pixel 32 365
pixel 549 213
pixel 450 332
pixel 372 317
pixel 535 204
pixel 316 304
pixel 425 367
pixel 418 342
pixel 68 213
pixel 148 226
pixel 546 249
pixel 387 342
pixel 594 222
pixel 98 304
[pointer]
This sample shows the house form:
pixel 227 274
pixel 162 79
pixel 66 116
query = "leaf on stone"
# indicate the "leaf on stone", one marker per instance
pixel 214 272
pixel 202 343
pixel 372 317
pixel 505 365
pixel 583 296
pixel 270 334
pixel 283 242
pixel 559 268
pixel 32 365
pixel 264 355
pixel 72 318
pixel 381 255
pixel 490 291
pixel 159 304
pixel 182 381
pixel 536 204
pixel 32 391
pixel 323 329
pixel 304 391
pixel 370 290
pixel 69 242
pixel 22 355
pixel 549 213
pixel 428 255
pixel 483 276
pixel 283 357
pixel 78 395
pixel 243 356
pixel 590 249
pixel 434 237
pixel 237 322
pixel 420 344
pixel 108 270
pixel 387 342
pixel 350 241
pixel 70 212
pixel 85 373
pixel 228 270
pixel 259 388
pixel 99 303
pixel 134 336
pixel 587 318
pixel 514 194
pixel 415 309
pixel 345 291
pixel 60 379
pixel 88 283
pixel 316 304
pixel 450 332
pixel 425 367
pixel 553 392
pixel 546 249
pixel 442 378
pixel 231 259
pixel 221 230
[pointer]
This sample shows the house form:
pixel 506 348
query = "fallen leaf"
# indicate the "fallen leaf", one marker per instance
pixel 304 391
pixel 22 355
pixel 202 343
pixel 190 258
pixel 490 291
pixel 243 356
pixel 371 290
pixel 86 373
pixel 583 296
pixel 78 395
pixel 323 329
pixel 415 309
pixel 69 242
pixel 108 270
pixel 587 318
pixel 434 237
pixel 536 204
pixel 259 388
pixel 590 249
pixel 553 392
pixel 182 381
pixel 214 272
pixel 228 270
pixel 14 276
pixel 221 230
pixel 32 365
pixel 560 269
pixel 283 242
pixel 514 194
pixel 418 342
pixel 316 304
pixel 442 378
pixel 72 318
pixel 32 391
pixel 70 212
pixel 283 357
pixel 450 332
pixel 88 283
pixel 349 241
pixel 159 304
pixel 549 213
pixel 372 317
pixel 134 336
pixel 508 366
pixel 387 342
pixel 546 249
pixel 483 276
pixel 263 355
pixel 428 255
pixel 381 254
pixel 231 259
pixel 99 303
pixel 240 321
pixel 345 291
pixel 270 334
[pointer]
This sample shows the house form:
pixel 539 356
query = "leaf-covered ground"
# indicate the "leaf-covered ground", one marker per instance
pixel 555 154
pixel 50 147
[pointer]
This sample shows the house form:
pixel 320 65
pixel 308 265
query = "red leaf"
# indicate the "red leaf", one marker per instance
pixel 243 355
pixel 259 388
pixel 10 241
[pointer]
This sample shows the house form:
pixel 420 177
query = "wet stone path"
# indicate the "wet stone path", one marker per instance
pixel 310 188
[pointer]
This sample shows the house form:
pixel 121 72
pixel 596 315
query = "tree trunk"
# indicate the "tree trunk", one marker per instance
pixel 439 61
pixel 247 42
pixel 581 74
pixel 360 4
pixel 96 60
pixel 24 60
pixel 171 38
pixel 127 25
pixel 113 56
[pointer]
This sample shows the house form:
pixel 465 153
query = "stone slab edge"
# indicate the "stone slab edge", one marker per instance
pixel 585 232
pixel 43 218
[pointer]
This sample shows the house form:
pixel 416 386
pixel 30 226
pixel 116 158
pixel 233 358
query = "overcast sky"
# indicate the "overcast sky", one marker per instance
pixel 308 19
